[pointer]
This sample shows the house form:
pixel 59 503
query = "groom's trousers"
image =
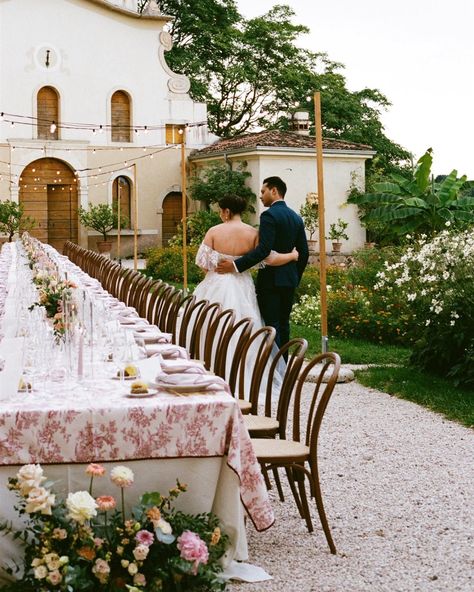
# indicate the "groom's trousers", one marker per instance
pixel 275 305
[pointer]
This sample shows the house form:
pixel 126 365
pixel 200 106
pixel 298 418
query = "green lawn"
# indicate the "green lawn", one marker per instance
pixel 438 394
pixel 353 351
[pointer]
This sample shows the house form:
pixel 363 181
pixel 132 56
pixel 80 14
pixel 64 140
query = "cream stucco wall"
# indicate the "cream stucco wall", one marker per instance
pixel 94 51
pixel 298 170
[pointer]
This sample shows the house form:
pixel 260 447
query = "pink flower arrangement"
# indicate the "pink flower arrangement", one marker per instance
pixel 122 476
pixel 193 548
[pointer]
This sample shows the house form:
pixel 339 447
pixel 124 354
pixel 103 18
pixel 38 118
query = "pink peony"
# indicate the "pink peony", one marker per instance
pixel 141 552
pixel 95 470
pixel 105 503
pixel 144 537
pixel 193 548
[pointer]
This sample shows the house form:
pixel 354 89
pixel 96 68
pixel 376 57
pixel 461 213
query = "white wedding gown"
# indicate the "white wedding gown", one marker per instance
pixel 237 292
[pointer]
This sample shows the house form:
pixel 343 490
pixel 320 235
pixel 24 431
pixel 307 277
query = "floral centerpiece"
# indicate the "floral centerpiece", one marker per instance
pixel 86 544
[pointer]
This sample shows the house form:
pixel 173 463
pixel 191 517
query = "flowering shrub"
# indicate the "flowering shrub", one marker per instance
pixel 436 279
pixel 86 544
pixel 307 312
pixel 167 264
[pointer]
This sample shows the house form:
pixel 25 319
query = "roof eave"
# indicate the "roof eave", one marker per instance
pixel 254 149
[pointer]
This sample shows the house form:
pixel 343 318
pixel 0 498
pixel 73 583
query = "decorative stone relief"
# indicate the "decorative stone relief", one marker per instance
pixel 177 83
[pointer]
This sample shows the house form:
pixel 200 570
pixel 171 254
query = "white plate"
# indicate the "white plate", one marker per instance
pixel 150 393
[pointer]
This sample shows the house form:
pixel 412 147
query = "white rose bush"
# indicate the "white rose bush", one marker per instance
pixel 436 277
pixel 87 544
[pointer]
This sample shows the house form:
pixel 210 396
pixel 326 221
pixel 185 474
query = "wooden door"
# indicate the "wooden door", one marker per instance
pixel 62 213
pixel 172 213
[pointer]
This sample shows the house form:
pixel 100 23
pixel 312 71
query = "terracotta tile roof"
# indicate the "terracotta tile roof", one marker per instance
pixel 148 14
pixel 277 139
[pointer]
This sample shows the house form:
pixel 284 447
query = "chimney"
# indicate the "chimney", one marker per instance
pixel 300 123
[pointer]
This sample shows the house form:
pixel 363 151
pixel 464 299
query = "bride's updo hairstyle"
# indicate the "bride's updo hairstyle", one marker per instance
pixel 234 203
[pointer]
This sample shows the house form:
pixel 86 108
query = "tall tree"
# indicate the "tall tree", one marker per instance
pixel 253 73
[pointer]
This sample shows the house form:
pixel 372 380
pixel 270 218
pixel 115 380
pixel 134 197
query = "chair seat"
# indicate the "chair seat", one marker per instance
pixel 268 451
pixel 245 406
pixel 260 425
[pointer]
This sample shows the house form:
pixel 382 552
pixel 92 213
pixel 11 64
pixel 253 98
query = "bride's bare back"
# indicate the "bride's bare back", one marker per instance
pixel 232 238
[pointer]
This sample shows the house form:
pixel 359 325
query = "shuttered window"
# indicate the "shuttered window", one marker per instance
pixel 121 124
pixel 121 187
pixel 48 113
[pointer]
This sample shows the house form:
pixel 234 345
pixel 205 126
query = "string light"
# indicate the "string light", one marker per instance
pixel 52 127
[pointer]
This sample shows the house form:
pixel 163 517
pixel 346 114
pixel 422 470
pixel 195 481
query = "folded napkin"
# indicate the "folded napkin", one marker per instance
pixel 131 320
pixel 183 366
pixel 152 335
pixel 167 350
pixel 191 382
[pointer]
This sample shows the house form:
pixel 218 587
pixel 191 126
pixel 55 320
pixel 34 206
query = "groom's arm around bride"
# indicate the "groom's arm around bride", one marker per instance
pixel 282 230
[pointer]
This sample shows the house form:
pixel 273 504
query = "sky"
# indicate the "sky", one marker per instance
pixel 418 53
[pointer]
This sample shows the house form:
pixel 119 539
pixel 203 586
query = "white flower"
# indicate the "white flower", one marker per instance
pixel 448 223
pixel 55 577
pixel 428 321
pixel 40 572
pixel 132 569
pixel 164 526
pixel 411 297
pixel 122 476
pixel 40 500
pixel 124 563
pixel 29 476
pixel 81 506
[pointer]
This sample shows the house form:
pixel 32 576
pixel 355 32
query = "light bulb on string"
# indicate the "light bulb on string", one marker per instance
pixel 52 127
pixel 93 131
pixel 101 129
pixel 125 163
pixel 146 129
pixel 93 151
pixel 1 116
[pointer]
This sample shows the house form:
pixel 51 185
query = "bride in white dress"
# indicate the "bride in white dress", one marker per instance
pixel 231 240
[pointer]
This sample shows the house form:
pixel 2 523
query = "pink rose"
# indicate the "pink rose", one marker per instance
pixel 140 552
pixel 193 548
pixel 95 470
pixel 144 537
pixel 105 503
pixel 139 579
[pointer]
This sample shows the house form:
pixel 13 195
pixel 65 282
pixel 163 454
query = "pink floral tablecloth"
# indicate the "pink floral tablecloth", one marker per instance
pixel 111 427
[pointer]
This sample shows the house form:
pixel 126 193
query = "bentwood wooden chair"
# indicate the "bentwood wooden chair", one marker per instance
pixel 299 455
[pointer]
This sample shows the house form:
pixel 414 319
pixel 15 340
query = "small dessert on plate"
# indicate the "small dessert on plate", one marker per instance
pixel 129 372
pixel 139 388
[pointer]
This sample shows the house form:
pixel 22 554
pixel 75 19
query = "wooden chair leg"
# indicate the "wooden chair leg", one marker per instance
pixel 291 481
pixel 276 476
pixel 322 514
pixel 304 500
pixel 266 477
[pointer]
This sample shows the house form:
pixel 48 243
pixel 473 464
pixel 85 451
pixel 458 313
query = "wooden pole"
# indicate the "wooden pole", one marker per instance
pixel 135 224
pixel 322 229
pixel 119 221
pixel 184 212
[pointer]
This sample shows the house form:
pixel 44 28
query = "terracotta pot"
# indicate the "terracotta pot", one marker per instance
pixel 336 247
pixel 104 247
pixel 313 245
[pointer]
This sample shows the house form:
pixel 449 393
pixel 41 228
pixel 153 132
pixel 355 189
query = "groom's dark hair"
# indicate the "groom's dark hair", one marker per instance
pixel 276 183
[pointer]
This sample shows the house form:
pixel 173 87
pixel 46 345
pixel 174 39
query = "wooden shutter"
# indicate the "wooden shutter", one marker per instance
pixel 47 113
pixel 120 117
pixel 172 134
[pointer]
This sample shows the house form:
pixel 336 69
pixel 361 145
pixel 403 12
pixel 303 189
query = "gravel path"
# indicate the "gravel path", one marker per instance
pixel 398 486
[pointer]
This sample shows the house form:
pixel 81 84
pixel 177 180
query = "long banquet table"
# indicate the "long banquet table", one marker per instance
pixel 199 439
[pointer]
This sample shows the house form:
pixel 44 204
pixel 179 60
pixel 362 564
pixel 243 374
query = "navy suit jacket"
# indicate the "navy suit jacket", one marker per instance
pixel 281 229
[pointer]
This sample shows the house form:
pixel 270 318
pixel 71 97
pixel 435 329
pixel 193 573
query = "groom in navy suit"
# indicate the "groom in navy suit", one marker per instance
pixel 281 230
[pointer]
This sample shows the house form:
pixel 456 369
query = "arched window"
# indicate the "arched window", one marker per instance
pixel 120 110
pixel 121 188
pixel 47 108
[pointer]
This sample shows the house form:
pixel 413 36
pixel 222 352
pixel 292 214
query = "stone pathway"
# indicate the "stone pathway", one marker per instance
pixel 398 485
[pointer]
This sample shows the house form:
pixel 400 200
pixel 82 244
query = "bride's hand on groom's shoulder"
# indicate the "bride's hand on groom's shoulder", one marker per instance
pixel 225 266
pixel 295 254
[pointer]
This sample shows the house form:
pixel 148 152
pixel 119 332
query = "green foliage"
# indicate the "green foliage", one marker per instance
pixel 101 217
pixel 412 384
pixel 167 264
pixel 13 219
pixel 307 312
pixel 218 180
pixel 418 204
pixel 309 213
pixel 254 73
pixel 198 223
pixel 337 230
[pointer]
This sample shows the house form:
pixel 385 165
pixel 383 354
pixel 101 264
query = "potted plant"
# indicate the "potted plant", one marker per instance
pixel 310 214
pixel 102 218
pixel 336 232
pixel 12 219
